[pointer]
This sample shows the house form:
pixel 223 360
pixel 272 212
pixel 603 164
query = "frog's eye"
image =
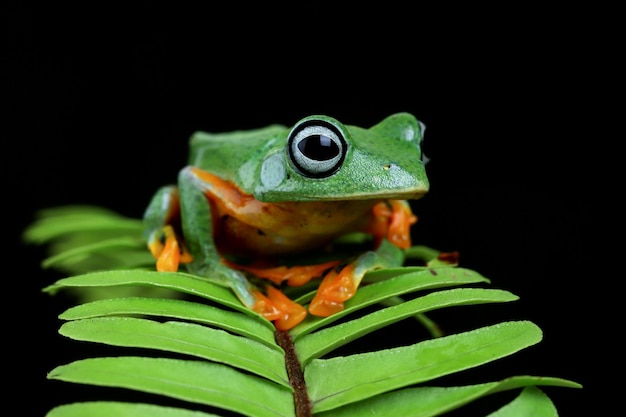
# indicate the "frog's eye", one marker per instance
pixel 317 148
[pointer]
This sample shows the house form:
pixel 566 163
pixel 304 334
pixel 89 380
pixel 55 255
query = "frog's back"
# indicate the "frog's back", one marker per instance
pixel 224 154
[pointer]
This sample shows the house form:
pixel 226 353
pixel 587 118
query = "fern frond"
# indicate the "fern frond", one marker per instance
pixel 200 345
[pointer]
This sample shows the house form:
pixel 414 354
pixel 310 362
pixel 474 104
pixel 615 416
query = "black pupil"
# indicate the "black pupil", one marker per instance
pixel 318 147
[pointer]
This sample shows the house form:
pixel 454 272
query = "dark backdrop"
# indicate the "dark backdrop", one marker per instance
pixel 101 104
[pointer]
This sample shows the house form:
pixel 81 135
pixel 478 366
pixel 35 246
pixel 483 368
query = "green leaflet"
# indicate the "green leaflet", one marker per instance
pixel 178 281
pixel 67 221
pixel 84 239
pixel 135 255
pixel 187 338
pixel 398 281
pixel 121 409
pixel 326 340
pixel 531 402
pixel 338 381
pixel 234 322
pixel 434 401
pixel 195 381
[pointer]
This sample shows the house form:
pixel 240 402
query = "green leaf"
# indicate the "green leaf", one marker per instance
pixel 421 252
pixel 531 402
pixel 390 283
pixel 187 338
pixel 199 382
pixel 59 222
pixel 323 341
pixel 121 409
pixel 241 367
pixel 338 381
pixel 434 401
pixel 84 239
pixel 234 322
pixel 106 246
pixel 178 281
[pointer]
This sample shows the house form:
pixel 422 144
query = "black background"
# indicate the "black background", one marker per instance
pixel 101 103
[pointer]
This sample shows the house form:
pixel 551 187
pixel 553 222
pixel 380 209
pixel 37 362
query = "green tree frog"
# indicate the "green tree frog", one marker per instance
pixel 266 193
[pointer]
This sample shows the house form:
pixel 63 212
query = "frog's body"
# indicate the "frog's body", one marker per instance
pixel 281 228
pixel 278 191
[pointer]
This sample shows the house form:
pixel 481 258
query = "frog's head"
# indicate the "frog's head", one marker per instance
pixel 322 159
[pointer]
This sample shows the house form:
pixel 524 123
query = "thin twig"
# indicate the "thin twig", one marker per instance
pixel 296 377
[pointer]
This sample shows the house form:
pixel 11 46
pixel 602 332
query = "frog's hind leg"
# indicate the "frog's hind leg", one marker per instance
pixel 197 225
pixel 391 230
pixel 160 219
pixel 340 284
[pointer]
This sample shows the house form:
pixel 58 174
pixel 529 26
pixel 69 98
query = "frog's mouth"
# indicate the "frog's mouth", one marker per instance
pixel 374 196
pixel 391 183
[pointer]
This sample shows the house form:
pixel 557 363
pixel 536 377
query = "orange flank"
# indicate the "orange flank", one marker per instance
pixel 295 275
pixel 335 288
pixel 226 191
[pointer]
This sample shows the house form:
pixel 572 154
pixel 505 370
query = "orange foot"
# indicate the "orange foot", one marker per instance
pixel 393 220
pixel 336 287
pixel 169 254
pixel 277 307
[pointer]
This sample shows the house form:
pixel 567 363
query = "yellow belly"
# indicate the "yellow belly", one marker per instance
pixel 288 227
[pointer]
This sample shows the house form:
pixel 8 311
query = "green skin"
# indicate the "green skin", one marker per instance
pixel 379 163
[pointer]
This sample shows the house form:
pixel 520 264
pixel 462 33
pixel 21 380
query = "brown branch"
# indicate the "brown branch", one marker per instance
pixel 296 377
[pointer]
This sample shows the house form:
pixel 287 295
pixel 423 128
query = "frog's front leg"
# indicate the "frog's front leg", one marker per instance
pixel 390 227
pixel 341 283
pixel 159 219
pixel 195 190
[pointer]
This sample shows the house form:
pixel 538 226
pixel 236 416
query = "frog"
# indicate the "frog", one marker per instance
pixel 249 199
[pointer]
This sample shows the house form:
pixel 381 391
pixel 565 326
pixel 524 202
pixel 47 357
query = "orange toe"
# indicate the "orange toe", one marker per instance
pixel 392 220
pixel 323 308
pixel 277 307
pixel 169 259
pixel 333 291
pixel 265 307
pixel 291 313
pixel 399 227
pixel 156 247
pixel 169 254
